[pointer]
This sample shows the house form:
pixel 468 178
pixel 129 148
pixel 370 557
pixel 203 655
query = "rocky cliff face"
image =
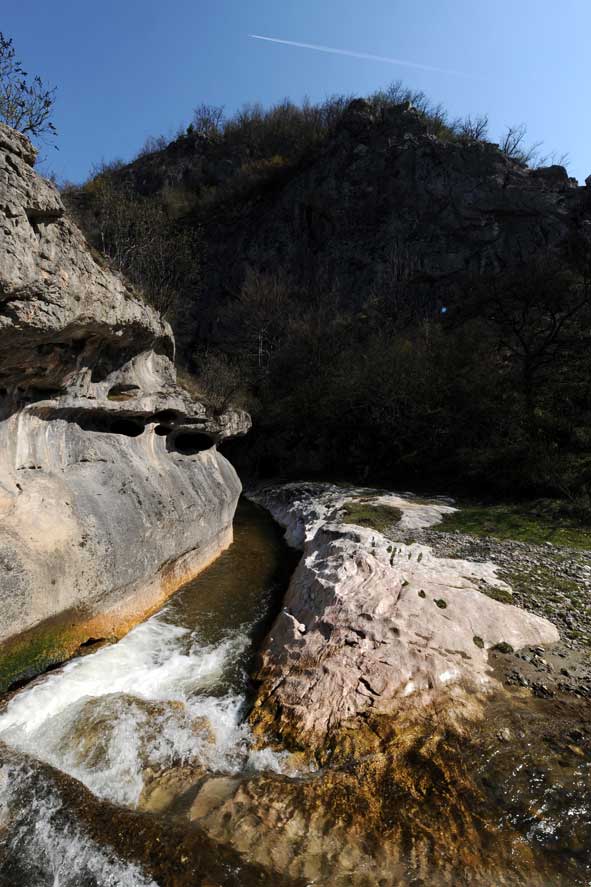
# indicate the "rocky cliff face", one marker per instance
pixel 380 201
pixel 112 491
pixel 385 199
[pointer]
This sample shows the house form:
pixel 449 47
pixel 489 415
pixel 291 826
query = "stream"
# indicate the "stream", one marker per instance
pixel 174 692
pixel 134 766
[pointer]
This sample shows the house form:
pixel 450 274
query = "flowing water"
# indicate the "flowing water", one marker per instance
pixel 173 693
pixel 112 767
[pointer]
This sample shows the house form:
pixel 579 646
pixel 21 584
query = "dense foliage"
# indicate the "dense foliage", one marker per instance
pixel 491 391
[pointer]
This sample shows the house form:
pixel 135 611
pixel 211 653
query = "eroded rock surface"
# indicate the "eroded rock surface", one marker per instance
pixel 375 626
pixel 379 675
pixel 112 491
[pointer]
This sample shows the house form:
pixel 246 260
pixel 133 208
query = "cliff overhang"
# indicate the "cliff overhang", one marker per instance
pixel 112 489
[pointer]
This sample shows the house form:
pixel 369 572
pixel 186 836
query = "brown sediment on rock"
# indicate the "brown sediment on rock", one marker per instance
pixel 64 635
pixel 391 712
pixel 412 799
pixel 165 850
pixel 400 800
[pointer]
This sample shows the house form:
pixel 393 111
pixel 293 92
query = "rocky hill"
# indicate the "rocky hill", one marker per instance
pixel 386 246
pixel 381 181
pixel 381 189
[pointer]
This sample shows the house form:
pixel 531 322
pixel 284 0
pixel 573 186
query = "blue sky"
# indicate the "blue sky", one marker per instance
pixel 127 69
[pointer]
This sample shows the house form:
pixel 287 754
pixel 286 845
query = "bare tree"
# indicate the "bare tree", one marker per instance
pixel 552 159
pixel 540 317
pixel 220 380
pixel 153 144
pixel 25 104
pixel 473 129
pixel 263 312
pixel 207 120
pixel 513 145
pixel 139 238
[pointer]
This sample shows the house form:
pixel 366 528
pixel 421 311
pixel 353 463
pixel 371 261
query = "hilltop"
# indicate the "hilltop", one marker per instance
pixel 391 294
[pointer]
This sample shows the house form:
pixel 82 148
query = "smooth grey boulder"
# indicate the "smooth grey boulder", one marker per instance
pixel 112 490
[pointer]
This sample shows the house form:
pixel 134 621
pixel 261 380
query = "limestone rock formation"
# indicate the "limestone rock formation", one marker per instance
pixel 372 626
pixel 376 674
pixel 112 491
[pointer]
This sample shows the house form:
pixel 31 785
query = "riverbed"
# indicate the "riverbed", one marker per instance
pixel 172 695
pixel 136 765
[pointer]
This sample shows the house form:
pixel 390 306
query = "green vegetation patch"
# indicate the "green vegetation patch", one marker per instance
pixel 364 513
pixel 441 603
pixel 478 642
pixel 518 523
pixel 498 594
pixel 503 647
pixel 33 653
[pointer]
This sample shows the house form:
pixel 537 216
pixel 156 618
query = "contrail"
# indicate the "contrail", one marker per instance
pixel 359 55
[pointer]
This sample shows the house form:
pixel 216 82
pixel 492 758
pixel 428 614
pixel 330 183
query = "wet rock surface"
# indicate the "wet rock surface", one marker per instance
pixel 466 784
pixel 374 624
pixel 85 842
pixel 438 792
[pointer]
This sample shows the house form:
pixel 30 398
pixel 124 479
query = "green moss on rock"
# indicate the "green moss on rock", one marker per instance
pixel 498 594
pixel 375 516
pixel 521 524
pixel 32 654
pixel 503 647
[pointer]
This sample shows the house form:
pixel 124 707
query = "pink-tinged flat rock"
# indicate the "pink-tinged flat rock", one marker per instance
pixel 373 624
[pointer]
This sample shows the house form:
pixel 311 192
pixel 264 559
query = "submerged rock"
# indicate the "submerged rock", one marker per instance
pixel 388 692
pixel 112 491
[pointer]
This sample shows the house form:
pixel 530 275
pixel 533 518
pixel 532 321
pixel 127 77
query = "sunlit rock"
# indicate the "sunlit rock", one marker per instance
pixel 372 626
pixel 112 491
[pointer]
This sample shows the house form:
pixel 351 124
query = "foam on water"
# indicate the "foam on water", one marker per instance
pixel 156 699
pixel 44 847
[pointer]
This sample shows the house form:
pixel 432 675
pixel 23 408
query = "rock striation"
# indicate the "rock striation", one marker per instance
pixel 112 490
pixel 372 626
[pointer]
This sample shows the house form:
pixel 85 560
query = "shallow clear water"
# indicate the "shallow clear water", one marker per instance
pixel 173 692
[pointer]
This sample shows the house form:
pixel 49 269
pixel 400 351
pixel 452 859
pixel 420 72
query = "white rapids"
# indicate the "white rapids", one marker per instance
pixel 173 693
pixel 52 849
pixel 149 701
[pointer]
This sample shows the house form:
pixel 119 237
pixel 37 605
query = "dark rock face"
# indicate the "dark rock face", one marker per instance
pixel 379 200
pixel 112 492
pixel 376 197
